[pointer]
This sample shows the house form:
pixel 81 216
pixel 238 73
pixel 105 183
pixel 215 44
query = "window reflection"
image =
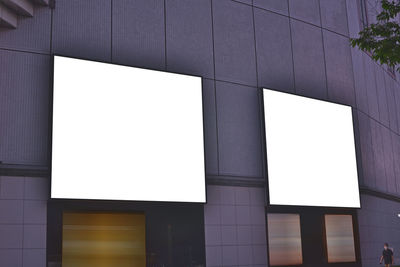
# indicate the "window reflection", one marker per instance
pixel 284 239
pixel 340 238
pixel 103 239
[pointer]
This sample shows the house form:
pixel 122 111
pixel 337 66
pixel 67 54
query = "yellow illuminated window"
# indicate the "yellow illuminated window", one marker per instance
pixel 340 238
pixel 284 239
pixel 103 240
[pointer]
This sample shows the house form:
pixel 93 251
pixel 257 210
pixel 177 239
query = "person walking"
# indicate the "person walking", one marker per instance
pixel 387 256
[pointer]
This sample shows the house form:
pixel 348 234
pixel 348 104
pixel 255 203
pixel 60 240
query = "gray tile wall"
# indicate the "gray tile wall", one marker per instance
pixel 237 46
pixel 235 226
pixel 23 204
pixel 378 223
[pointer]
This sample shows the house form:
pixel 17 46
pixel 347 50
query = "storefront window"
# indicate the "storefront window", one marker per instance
pixel 340 238
pixel 284 239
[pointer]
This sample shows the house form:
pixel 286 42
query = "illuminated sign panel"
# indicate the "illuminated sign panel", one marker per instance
pixel 124 133
pixel 310 152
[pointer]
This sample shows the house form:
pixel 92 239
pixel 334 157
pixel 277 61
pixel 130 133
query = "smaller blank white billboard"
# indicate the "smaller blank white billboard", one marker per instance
pixel 311 156
pixel 124 133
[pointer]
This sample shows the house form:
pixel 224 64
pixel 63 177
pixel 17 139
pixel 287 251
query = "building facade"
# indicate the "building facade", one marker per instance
pixel 237 47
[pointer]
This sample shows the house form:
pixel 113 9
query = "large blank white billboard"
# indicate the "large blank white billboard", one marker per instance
pixel 124 133
pixel 310 152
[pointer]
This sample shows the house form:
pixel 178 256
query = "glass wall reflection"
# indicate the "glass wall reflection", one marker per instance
pixel 103 240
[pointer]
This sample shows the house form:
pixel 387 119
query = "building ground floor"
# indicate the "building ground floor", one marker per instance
pixel 234 228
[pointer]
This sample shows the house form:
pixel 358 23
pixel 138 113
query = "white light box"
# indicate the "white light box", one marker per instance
pixel 310 152
pixel 124 133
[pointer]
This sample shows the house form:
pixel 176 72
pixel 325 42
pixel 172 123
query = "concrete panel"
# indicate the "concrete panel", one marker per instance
pixel 33 33
pixel 391 101
pixel 370 83
pixel 214 256
pixel 229 255
pixel 367 152
pixel 381 92
pixel 239 130
pixel 388 160
pixel 260 254
pixel 274 52
pixel 305 10
pixel 379 156
pixel 139 33
pixel 228 235
pixel 11 211
pixel 35 212
pixel 35 236
pixel 11 236
pixel 359 80
pixel 210 127
pixel 34 257
pixel 234 42
pixel 245 255
pixel 11 257
pixel 244 235
pixel 189 44
pixel 339 70
pixel 277 6
pixel 242 196
pixel 334 16
pixel 11 187
pixel 213 235
pixel 83 29
pixel 353 18
pixel 396 159
pixel 24 109
pixel 37 188
pixel 396 90
pixel 309 65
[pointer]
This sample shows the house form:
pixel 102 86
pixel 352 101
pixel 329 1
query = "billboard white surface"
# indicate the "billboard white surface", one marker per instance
pixel 124 133
pixel 310 152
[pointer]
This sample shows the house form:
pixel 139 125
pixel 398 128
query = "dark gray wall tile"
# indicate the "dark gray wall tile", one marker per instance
pixel 35 212
pixel 381 93
pixel 353 17
pixel 391 101
pixel 305 10
pixel 35 236
pixel 139 33
pixel 11 236
pixel 359 80
pixel 210 127
pixel 37 188
pixel 234 42
pixel 11 187
pixel 308 55
pixel 24 111
pixel 274 51
pixel 239 130
pixel 83 29
pixel 278 6
pixel 388 160
pixel 189 44
pixel 339 70
pixel 367 152
pixel 370 83
pixel 334 16
pixel 11 211
pixel 379 156
pixel 396 159
pixel 32 34
pixel 34 257
pixel 11 257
